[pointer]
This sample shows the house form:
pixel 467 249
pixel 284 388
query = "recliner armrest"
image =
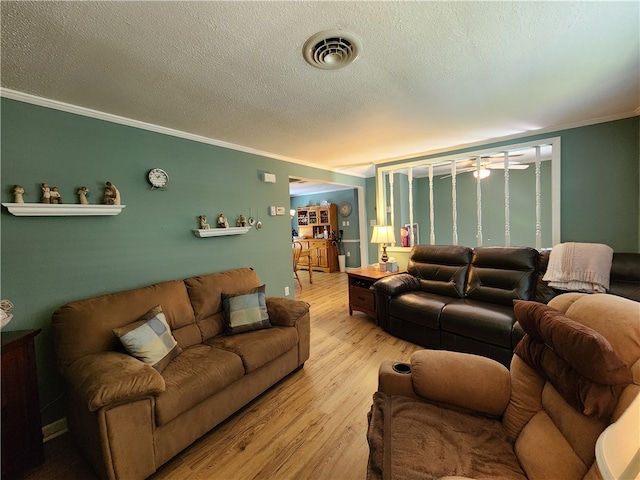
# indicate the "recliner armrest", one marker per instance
pixel 105 378
pixel 461 379
pixel 396 284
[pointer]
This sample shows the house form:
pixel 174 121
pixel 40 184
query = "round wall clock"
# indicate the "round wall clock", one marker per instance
pixel 345 209
pixel 158 178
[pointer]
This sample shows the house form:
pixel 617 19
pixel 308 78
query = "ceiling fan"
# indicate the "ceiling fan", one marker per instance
pixel 486 164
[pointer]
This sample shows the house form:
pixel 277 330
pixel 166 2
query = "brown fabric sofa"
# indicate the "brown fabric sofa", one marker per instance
pixel 462 415
pixel 127 417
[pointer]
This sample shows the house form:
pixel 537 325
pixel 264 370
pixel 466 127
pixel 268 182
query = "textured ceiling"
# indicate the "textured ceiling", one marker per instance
pixel 431 75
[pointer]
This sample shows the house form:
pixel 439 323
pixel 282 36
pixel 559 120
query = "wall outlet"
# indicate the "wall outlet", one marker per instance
pixel 286 291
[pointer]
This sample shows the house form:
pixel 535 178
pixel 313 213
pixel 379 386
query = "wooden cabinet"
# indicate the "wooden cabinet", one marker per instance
pixel 313 221
pixel 323 255
pixel 21 424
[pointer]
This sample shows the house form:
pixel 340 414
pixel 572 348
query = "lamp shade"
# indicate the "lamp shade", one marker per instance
pixel 383 234
pixel 618 447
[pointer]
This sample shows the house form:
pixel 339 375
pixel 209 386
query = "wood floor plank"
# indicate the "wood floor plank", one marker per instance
pixel 311 425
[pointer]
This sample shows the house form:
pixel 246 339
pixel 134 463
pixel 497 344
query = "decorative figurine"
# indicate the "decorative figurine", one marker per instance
pixel 222 221
pixel 46 193
pixel 5 311
pixel 203 222
pixel 241 221
pixel 83 193
pixel 114 192
pixel 18 191
pixel 55 196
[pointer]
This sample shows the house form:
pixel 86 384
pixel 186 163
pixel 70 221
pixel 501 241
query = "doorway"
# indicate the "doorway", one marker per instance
pixel 350 214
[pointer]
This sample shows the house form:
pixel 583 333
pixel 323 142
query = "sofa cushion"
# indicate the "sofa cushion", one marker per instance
pixel 258 347
pixel 195 375
pixel 585 349
pixel 419 307
pixel 205 291
pixel 245 311
pixel 585 395
pixel 440 269
pixel 485 322
pixel 502 274
pixel 86 326
pixel 149 339
pixel 624 279
pixel 410 438
pixel 577 360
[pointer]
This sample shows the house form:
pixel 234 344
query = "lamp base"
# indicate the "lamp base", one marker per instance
pixel 384 257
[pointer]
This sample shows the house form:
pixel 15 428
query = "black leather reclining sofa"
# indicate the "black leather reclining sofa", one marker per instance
pixel 461 299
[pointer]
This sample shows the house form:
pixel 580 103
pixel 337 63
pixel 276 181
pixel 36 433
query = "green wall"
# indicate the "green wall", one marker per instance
pixel 48 261
pixel 600 192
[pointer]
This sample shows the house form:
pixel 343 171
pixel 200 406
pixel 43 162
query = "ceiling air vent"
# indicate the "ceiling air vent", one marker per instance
pixel 332 49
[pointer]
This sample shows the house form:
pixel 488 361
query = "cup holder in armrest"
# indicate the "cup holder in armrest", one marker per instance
pixel 402 368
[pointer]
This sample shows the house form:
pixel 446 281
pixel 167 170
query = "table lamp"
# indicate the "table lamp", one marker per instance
pixel 383 234
pixel 618 447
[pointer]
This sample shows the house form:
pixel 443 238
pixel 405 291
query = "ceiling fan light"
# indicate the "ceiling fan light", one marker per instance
pixel 484 173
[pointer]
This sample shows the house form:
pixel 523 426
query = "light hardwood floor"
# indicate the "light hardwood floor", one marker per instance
pixel 311 425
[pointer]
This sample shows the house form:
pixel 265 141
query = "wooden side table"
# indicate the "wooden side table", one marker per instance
pixel 21 423
pixel 361 298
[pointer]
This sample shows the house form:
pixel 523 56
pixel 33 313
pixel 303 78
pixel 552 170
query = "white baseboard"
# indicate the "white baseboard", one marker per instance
pixel 55 429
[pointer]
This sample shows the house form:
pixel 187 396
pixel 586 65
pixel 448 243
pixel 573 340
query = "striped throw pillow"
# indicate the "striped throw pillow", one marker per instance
pixel 246 311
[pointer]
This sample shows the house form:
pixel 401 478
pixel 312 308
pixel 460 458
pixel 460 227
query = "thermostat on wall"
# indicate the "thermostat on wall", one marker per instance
pixel 269 177
pixel 279 210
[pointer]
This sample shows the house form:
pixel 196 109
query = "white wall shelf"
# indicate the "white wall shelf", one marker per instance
pixel 61 210
pixel 219 232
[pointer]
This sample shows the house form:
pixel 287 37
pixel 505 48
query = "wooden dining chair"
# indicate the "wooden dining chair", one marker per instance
pixel 297 250
pixel 300 252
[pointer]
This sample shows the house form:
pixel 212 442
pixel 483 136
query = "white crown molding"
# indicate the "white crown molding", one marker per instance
pixel 87 112
pixel 515 136
pixel 108 117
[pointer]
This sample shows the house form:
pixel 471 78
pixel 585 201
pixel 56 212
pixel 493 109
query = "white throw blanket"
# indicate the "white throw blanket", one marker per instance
pixel 583 267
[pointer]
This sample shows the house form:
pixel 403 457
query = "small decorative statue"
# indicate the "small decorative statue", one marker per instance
pixel 55 196
pixel 241 222
pixel 18 191
pixel 83 193
pixel 203 222
pixel 46 193
pixel 222 221
pixel 5 310
pixel 109 197
pixel 114 194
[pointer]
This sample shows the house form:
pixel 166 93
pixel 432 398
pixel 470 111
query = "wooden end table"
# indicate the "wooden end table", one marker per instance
pixel 22 446
pixel 361 298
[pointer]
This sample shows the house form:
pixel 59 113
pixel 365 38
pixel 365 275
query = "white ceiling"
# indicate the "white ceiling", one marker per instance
pixel 431 75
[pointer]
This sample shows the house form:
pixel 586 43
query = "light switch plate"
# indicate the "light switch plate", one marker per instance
pixel 272 211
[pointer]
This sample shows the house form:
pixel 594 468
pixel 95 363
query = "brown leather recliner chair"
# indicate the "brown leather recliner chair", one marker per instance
pixel 456 414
